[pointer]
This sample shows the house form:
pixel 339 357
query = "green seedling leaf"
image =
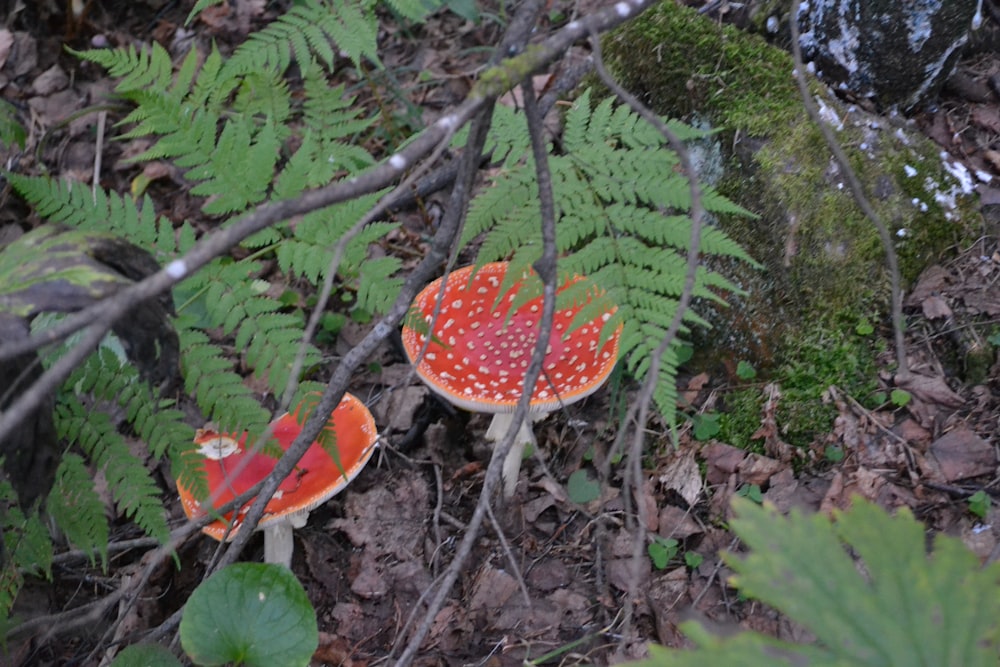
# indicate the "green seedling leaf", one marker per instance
pixel 706 426
pixel 661 550
pixel 979 503
pixel 864 327
pixel 745 371
pixel 751 492
pixel 834 454
pixel 899 397
pixel 581 488
pixel 693 559
pixel 252 614
pixel 145 655
pixel 994 340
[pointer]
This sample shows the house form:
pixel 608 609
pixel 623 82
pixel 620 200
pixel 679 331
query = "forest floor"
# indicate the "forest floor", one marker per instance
pixel 366 557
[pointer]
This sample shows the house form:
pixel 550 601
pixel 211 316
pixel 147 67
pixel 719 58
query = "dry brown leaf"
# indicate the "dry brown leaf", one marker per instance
pixel 961 454
pixel 721 461
pixel 932 281
pixel 681 474
pixel 929 389
pixel 935 307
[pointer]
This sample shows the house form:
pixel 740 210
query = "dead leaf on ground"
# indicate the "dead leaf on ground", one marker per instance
pixel 934 307
pixel 961 454
pixel 388 519
pixel 721 461
pixel 681 474
pixel 933 390
pixel 933 280
pixel 677 523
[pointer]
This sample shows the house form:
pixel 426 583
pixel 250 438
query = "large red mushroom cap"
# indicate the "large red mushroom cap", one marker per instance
pixel 479 352
pixel 231 469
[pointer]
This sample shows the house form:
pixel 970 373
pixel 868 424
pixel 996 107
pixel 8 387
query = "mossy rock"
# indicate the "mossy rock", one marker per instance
pixel 823 259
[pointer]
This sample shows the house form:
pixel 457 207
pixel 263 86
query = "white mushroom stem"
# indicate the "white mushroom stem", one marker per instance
pixel 501 423
pixel 279 544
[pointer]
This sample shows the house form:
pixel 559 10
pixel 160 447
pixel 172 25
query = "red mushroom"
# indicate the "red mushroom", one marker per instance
pixel 231 470
pixel 479 352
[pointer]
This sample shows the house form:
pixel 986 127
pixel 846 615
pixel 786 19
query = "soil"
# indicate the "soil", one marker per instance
pixel 549 578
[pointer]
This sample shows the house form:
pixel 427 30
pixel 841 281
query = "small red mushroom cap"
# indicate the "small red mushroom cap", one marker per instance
pixel 231 469
pixel 478 355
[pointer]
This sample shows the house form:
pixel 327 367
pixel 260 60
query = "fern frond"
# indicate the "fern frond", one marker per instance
pixel 27 544
pixel 612 183
pixel 218 390
pixel 305 32
pixel 308 253
pixel 137 68
pixel 77 509
pixel 75 205
pixel 135 493
pixel 239 168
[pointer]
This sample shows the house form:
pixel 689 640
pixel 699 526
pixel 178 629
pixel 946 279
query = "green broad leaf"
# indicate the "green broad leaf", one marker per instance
pixel 745 371
pixel 899 397
pixel 693 559
pixel 581 488
pixel 145 655
pixel 706 426
pixel 908 608
pixel 661 550
pixel 979 503
pixel 253 614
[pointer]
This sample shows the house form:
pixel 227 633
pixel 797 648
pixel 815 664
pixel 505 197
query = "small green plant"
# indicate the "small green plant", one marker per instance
pixel 581 488
pixel 899 397
pixel 662 550
pixel 900 607
pixel 979 503
pixel 751 492
pixel 745 371
pixel 833 453
pixel 706 425
pixel 693 559
pixel 247 614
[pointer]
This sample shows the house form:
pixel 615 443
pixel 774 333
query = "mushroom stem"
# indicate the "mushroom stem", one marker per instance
pixel 499 426
pixel 279 544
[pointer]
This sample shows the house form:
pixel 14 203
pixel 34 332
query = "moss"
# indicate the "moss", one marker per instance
pixel 822 255
pixel 701 66
pixel 740 418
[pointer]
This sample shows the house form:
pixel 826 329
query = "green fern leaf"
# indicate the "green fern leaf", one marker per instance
pixel 306 31
pixel 77 510
pixel 239 169
pixel 138 68
pixel 136 494
pixel 218 391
